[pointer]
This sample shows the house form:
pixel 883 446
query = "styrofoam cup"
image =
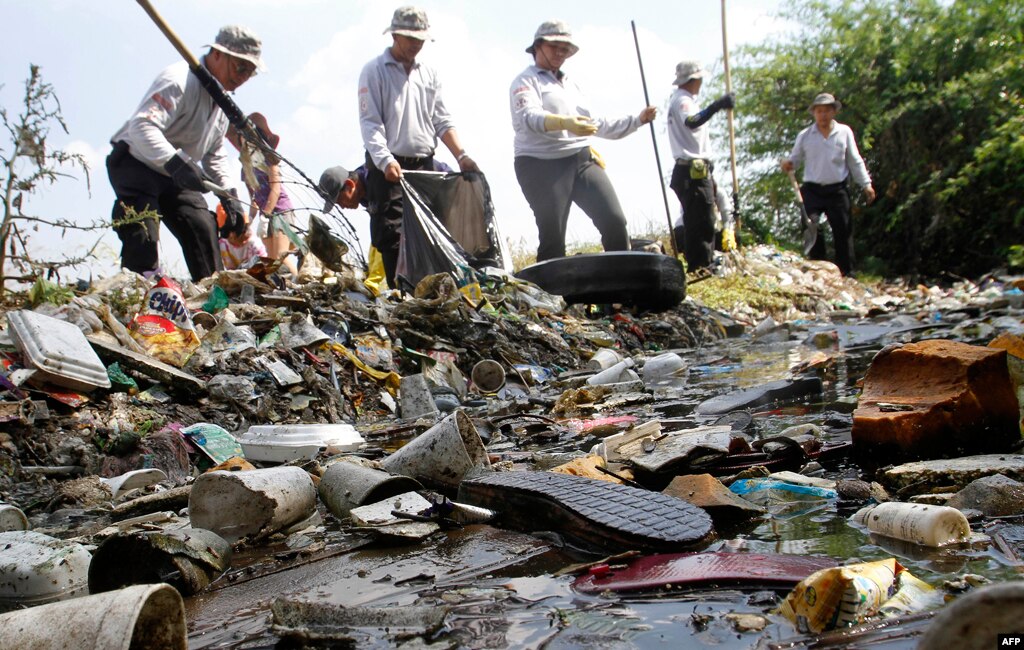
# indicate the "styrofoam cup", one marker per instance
pixel 143 616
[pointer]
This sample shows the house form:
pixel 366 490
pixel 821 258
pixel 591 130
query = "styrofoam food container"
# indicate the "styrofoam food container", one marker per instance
pixel 58 349
pixel 37 568
pixel 280 443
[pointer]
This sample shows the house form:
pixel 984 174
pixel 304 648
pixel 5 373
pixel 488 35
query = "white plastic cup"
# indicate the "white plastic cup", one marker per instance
pixel 142 616
pixel 253 504
pixel 443 454
pixel 919 523
pixel 603 358
pixel 346 485
pixel 488 376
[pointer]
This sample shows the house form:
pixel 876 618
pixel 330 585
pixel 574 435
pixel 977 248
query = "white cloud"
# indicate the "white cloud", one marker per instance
pixel 94 156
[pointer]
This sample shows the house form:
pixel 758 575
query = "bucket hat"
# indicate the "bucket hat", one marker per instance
pixel 240 42
pixel 554 31
pixel 411 22
pixel 686 70
pixel 825 99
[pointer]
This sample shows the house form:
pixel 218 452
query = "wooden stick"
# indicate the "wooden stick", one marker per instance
pixel 732 129
pixel 192 61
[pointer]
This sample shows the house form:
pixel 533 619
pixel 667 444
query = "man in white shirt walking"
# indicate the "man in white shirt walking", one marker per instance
pixel 828 151
pixel 401 116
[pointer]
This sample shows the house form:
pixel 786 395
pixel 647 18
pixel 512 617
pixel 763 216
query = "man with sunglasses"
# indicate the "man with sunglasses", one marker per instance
pixel 177 113
pixel 401 117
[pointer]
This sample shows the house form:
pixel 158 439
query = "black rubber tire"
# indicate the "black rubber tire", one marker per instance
pixel 645 280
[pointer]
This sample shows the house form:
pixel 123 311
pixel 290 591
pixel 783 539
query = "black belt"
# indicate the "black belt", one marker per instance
pixel 829 187
pixel 412 162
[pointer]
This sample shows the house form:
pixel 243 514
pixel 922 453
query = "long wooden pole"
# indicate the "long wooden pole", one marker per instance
pixel 732 128
pixel 654 141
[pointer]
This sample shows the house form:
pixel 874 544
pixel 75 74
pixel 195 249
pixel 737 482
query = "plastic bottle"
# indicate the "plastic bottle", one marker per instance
pixel 611 375
pixel 916 522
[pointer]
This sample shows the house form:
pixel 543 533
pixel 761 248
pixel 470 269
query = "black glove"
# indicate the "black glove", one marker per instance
pixel 235 222
pixel 725 101
pixel 185 173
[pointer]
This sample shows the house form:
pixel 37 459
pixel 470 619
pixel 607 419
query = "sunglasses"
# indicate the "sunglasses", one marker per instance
pixel 242 67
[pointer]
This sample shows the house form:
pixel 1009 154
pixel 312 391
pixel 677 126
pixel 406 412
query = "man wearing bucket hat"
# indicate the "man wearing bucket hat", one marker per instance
pixel 554 163
pixel 828 151
pixel 401 116
pixel 177 113
pixel 692 179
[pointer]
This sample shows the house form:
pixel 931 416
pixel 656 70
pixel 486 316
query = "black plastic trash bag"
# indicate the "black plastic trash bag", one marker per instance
pixel 448 226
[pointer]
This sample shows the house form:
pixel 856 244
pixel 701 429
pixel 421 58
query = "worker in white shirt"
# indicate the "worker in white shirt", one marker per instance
pixel 692 179
pixel 554 162
pixel 401 116
pixel 828 151
pixel 146 174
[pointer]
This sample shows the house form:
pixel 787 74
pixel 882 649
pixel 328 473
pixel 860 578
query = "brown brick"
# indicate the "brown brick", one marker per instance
pixel 937 397
pixel 1013 344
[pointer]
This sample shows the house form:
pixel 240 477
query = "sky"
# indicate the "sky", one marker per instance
pixel 101 56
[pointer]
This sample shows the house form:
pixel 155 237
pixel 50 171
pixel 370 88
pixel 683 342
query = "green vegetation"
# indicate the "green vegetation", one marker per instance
pixel 933 92
pixel 734 291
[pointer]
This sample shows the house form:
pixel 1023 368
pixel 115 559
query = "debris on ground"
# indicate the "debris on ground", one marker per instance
pixel 240 438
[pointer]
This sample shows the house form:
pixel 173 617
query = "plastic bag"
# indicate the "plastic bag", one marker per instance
pixel 164 326
pixel 841 596
pixel 326 244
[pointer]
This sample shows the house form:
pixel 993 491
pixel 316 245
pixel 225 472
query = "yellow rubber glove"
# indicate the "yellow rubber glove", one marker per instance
pixel 728 239
pixel 597 158
pixel 575 124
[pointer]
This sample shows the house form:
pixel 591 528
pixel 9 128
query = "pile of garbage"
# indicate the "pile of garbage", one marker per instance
pixel 156 432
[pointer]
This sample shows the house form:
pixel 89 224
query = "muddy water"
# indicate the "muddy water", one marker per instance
pixel 500 589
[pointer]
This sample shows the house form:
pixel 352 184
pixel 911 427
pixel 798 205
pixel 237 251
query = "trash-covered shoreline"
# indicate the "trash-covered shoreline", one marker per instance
pixel 388 460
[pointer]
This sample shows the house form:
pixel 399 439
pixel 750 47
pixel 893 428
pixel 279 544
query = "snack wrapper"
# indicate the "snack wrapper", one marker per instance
pixel 164 326
pixel 841 596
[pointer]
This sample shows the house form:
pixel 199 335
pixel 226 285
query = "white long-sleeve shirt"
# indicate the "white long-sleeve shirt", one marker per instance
pixel 177 113
pixel 829 160
pixel 686 143
pixel 400 114
pixel 536 93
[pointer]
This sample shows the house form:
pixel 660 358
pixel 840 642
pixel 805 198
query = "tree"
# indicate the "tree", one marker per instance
pixel 26 165
pixel 933 91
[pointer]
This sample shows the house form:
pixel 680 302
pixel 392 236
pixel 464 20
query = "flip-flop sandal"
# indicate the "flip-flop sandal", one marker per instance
pixel 692 570
pixel 598 513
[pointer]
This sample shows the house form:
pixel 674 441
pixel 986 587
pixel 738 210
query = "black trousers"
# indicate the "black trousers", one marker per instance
pixel 184 212
pixel 698 198
pixel 384 202
pixel 551 186
pixel 834 202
